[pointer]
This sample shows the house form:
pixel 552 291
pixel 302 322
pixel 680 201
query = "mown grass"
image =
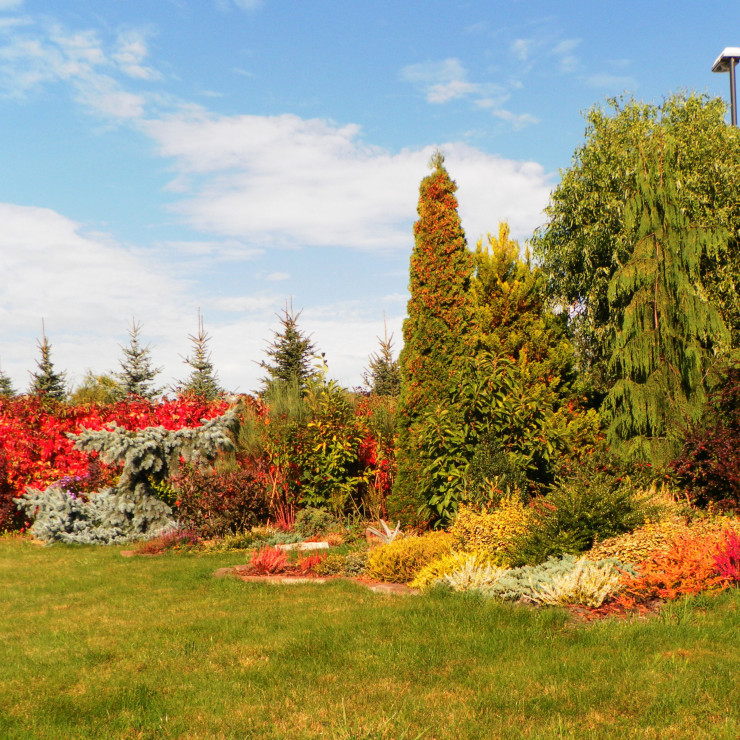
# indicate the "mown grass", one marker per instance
pixel 93 645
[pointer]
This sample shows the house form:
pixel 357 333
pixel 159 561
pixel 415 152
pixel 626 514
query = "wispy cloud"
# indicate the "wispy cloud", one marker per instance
pixel 445 81
pixel 34 54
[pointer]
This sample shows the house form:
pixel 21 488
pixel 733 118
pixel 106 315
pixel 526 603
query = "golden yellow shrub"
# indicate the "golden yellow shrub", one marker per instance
pixel 401 560
pixel 446 565
pixel 495 533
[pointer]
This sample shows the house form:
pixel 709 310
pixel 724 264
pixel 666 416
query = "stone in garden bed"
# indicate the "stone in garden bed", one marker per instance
pixel 301 546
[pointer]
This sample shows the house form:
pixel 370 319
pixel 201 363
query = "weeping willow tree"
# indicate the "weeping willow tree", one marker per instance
pixel 671 334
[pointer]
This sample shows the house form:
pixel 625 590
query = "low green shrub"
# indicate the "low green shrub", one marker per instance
pixel 581 510
pixel 401 560
pixel 310 522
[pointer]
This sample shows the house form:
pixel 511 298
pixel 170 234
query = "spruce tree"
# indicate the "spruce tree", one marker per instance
pixel 670 332
pixel 202 382
pixel 46 382
pixel 6 385
pixel 136 368
pixel 383 377
pixel 291 353
pixel 436 331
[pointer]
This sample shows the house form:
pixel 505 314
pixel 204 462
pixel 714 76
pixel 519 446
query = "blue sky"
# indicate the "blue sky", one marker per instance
pixel 163 156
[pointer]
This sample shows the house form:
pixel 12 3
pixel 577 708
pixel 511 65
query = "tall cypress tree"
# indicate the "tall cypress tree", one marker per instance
pixel 670 332
pixel 136 368
pixel 46 382
pixel 202 382
pixel 436 330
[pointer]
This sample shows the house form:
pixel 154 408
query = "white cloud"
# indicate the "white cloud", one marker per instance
pixel 289 182
pixel 442 82
pixel 34 54
pixel 85 285
pixel 275 277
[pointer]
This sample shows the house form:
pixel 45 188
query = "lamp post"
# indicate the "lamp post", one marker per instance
pixel 726 62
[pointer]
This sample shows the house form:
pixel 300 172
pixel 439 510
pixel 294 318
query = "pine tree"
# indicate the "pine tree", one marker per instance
pixel 6 385
pixel 670 332
pixel 383 377
pixel 436 331
pixel 46 382
pixel 202 382
pixel 136 368
pixel 291 353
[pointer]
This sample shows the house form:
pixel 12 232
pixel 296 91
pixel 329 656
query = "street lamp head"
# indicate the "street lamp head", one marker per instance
pixel 728 57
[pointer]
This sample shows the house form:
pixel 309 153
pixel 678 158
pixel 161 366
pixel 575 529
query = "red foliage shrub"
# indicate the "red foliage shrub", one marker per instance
pixel 708 467
pixel 215 503
pixel 727 557
pixel 268 561
pixel 308 564
pixel 37 451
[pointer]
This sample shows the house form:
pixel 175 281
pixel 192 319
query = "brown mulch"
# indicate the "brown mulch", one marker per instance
pixel 242 572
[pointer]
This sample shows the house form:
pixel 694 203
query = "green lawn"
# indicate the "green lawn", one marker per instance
pixel 94 645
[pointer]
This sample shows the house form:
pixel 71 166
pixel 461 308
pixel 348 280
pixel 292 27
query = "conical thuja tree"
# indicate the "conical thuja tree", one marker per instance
pixel 435 332
pixel 670 333
pixel 136 368
pixel 202 382
pixel 46 382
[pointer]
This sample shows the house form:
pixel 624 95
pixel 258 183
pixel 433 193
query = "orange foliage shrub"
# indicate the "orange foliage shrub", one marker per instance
pixel 688 567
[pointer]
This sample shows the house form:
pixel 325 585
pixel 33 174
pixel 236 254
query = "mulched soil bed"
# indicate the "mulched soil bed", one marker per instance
pixel 242 573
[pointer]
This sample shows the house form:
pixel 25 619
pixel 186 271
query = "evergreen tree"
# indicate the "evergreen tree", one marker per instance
pixel 383 377
pixel 202 381
pixel 436 331
pixel 291 353
pixel 136 368
pixel 46 382
pixel 6 385
pixel 670 332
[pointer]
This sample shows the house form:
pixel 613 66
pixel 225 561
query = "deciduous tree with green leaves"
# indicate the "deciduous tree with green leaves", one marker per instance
pixel 587 240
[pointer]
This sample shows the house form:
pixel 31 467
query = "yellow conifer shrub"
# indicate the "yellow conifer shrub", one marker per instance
pixel 496 533
pixel 401 560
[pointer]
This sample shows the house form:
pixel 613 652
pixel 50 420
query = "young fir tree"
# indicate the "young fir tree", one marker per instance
pixel 291 353
pixel 383 377
pixel 202 382
pixel 136 368
pixel 46 382
pixel 436 331
pixel 6 385
pixel 670 332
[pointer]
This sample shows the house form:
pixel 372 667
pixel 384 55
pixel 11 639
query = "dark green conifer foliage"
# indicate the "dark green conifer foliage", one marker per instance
pixel 136 368
pixel 46 382
pixel 291 353
pixel 383 377
pixel 670 332
pixel 202 382
pixel 6 386
pixel 435 332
